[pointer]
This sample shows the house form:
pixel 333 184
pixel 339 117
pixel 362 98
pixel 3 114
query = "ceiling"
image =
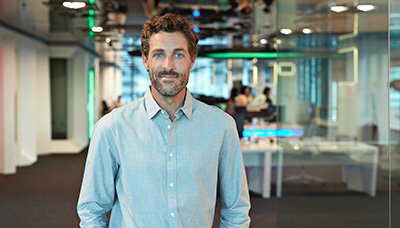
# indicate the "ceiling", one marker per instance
pixel 293 14
pixel 265 19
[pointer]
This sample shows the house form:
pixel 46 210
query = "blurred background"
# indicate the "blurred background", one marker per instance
pixel 321 147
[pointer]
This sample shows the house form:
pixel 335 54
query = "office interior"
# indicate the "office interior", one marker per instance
pixel 332 129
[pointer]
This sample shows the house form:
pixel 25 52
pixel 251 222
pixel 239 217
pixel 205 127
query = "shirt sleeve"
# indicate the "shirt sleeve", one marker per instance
pixel 97 191
pixel 232 182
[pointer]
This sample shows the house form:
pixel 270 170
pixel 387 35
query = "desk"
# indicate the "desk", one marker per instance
pixel 256 155
pixel 359 161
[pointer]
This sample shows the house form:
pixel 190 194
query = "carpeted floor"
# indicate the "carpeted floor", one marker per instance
pixel 45 195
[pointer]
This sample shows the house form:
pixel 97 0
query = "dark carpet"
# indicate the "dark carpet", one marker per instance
pixel 45 195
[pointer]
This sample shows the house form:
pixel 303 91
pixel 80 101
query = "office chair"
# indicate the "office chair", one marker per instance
pixel 240 116
pixel 305 155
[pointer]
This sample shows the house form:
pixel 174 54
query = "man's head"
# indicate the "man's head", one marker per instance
pixel 169 23
pixel 168 53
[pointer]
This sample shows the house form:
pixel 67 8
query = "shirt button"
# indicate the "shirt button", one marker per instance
pixel 172 214
pixel 162 112
pixel 171 185
pixel 169 126
pixel 171 155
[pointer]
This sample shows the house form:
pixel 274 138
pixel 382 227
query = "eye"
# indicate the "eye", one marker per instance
pixel 158 54
pixel 179 55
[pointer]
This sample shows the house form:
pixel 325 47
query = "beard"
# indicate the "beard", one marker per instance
pixel 168 88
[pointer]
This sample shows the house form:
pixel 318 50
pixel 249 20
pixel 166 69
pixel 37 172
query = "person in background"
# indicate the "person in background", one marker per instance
pixel 230 103
pixel 156 161
pixel 105 108
pixel 395 84
pixel 119 103
pixel 263 98
pixel 267 91
pixel 244 97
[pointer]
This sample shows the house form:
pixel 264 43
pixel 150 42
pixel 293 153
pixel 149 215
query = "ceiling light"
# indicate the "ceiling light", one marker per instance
pixel 339 9
pixel 263 41
pixel 286 31
pixel 74 5
pixel 196 30
pixel 97 29
pixel 108 40
pixel 365 8
pixel 306 31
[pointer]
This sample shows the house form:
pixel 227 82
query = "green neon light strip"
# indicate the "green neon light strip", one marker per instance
pixel 90 104
pixel 90 22
pixel 271 55
pixel 91 12
pixel 91 2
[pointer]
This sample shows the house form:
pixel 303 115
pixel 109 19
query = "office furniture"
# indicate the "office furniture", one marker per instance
pixel 359 161
pixel 258 159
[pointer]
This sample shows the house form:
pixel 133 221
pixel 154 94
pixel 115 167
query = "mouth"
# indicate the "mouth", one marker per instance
pixel 168 75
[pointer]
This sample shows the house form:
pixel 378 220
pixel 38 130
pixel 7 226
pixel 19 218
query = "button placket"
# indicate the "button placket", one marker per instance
pixel 171 176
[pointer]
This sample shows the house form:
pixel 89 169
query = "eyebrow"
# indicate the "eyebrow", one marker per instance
pixel 162 50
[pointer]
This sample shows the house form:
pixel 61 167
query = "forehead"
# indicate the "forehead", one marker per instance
pixel 168 41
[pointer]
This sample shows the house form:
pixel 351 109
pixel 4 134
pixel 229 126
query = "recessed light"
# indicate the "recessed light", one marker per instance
pixel 365 8
pixel 339 9
pixel 97 29
pixel 74 5
pixel 306 31
pixel 286 31
pixel 263 41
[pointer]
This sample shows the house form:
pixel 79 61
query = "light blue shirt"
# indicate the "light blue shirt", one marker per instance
pixel 152 172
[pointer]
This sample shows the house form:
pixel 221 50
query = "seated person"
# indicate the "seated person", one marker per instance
pixel 244 97
pixel 264 98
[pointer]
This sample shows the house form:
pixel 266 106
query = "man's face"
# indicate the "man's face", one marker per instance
pixel 168 63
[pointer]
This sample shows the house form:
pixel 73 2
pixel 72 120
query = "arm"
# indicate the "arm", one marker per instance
pixel 233 184
pixel 97 192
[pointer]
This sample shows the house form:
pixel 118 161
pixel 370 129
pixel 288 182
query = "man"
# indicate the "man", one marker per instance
pixel 156 162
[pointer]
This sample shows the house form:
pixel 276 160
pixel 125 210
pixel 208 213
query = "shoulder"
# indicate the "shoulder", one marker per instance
pixel 212 114
pixel 119 115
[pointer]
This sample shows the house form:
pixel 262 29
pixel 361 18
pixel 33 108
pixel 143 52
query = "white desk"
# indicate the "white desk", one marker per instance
pixel 359 161
pixel 256 155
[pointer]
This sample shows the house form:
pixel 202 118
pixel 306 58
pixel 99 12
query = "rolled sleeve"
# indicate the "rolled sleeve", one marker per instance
pixel 98 192
pixel 233 184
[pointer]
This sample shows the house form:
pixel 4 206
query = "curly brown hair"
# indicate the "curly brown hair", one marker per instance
pixel 169 23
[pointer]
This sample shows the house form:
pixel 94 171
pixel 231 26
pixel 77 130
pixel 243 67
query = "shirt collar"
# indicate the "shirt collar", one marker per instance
pixel 153 108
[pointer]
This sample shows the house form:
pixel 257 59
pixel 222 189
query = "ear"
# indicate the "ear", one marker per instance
pixel 144 59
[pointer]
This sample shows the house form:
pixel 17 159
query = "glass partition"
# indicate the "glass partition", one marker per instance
pixel 335 90
pixel 394 108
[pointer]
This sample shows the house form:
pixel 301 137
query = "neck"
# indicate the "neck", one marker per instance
pixel 169 104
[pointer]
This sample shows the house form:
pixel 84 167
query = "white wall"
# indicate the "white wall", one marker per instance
pixel 27 134
pixel 43 109
pixel 8 145
pixel 77 100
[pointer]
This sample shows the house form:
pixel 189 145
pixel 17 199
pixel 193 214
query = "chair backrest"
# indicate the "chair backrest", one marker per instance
pixel 240 116
pixel 369 132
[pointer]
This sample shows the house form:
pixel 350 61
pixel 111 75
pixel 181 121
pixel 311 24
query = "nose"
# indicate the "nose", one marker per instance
pixel 168 64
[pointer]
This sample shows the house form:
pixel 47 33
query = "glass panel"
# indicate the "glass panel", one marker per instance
pixel 335 91
pixel 394 95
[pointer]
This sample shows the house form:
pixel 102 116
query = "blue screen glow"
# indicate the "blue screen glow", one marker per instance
pixel 262 133
pixel 196 13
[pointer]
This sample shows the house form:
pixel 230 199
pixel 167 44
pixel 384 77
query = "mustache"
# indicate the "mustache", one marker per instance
pixel 159 74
